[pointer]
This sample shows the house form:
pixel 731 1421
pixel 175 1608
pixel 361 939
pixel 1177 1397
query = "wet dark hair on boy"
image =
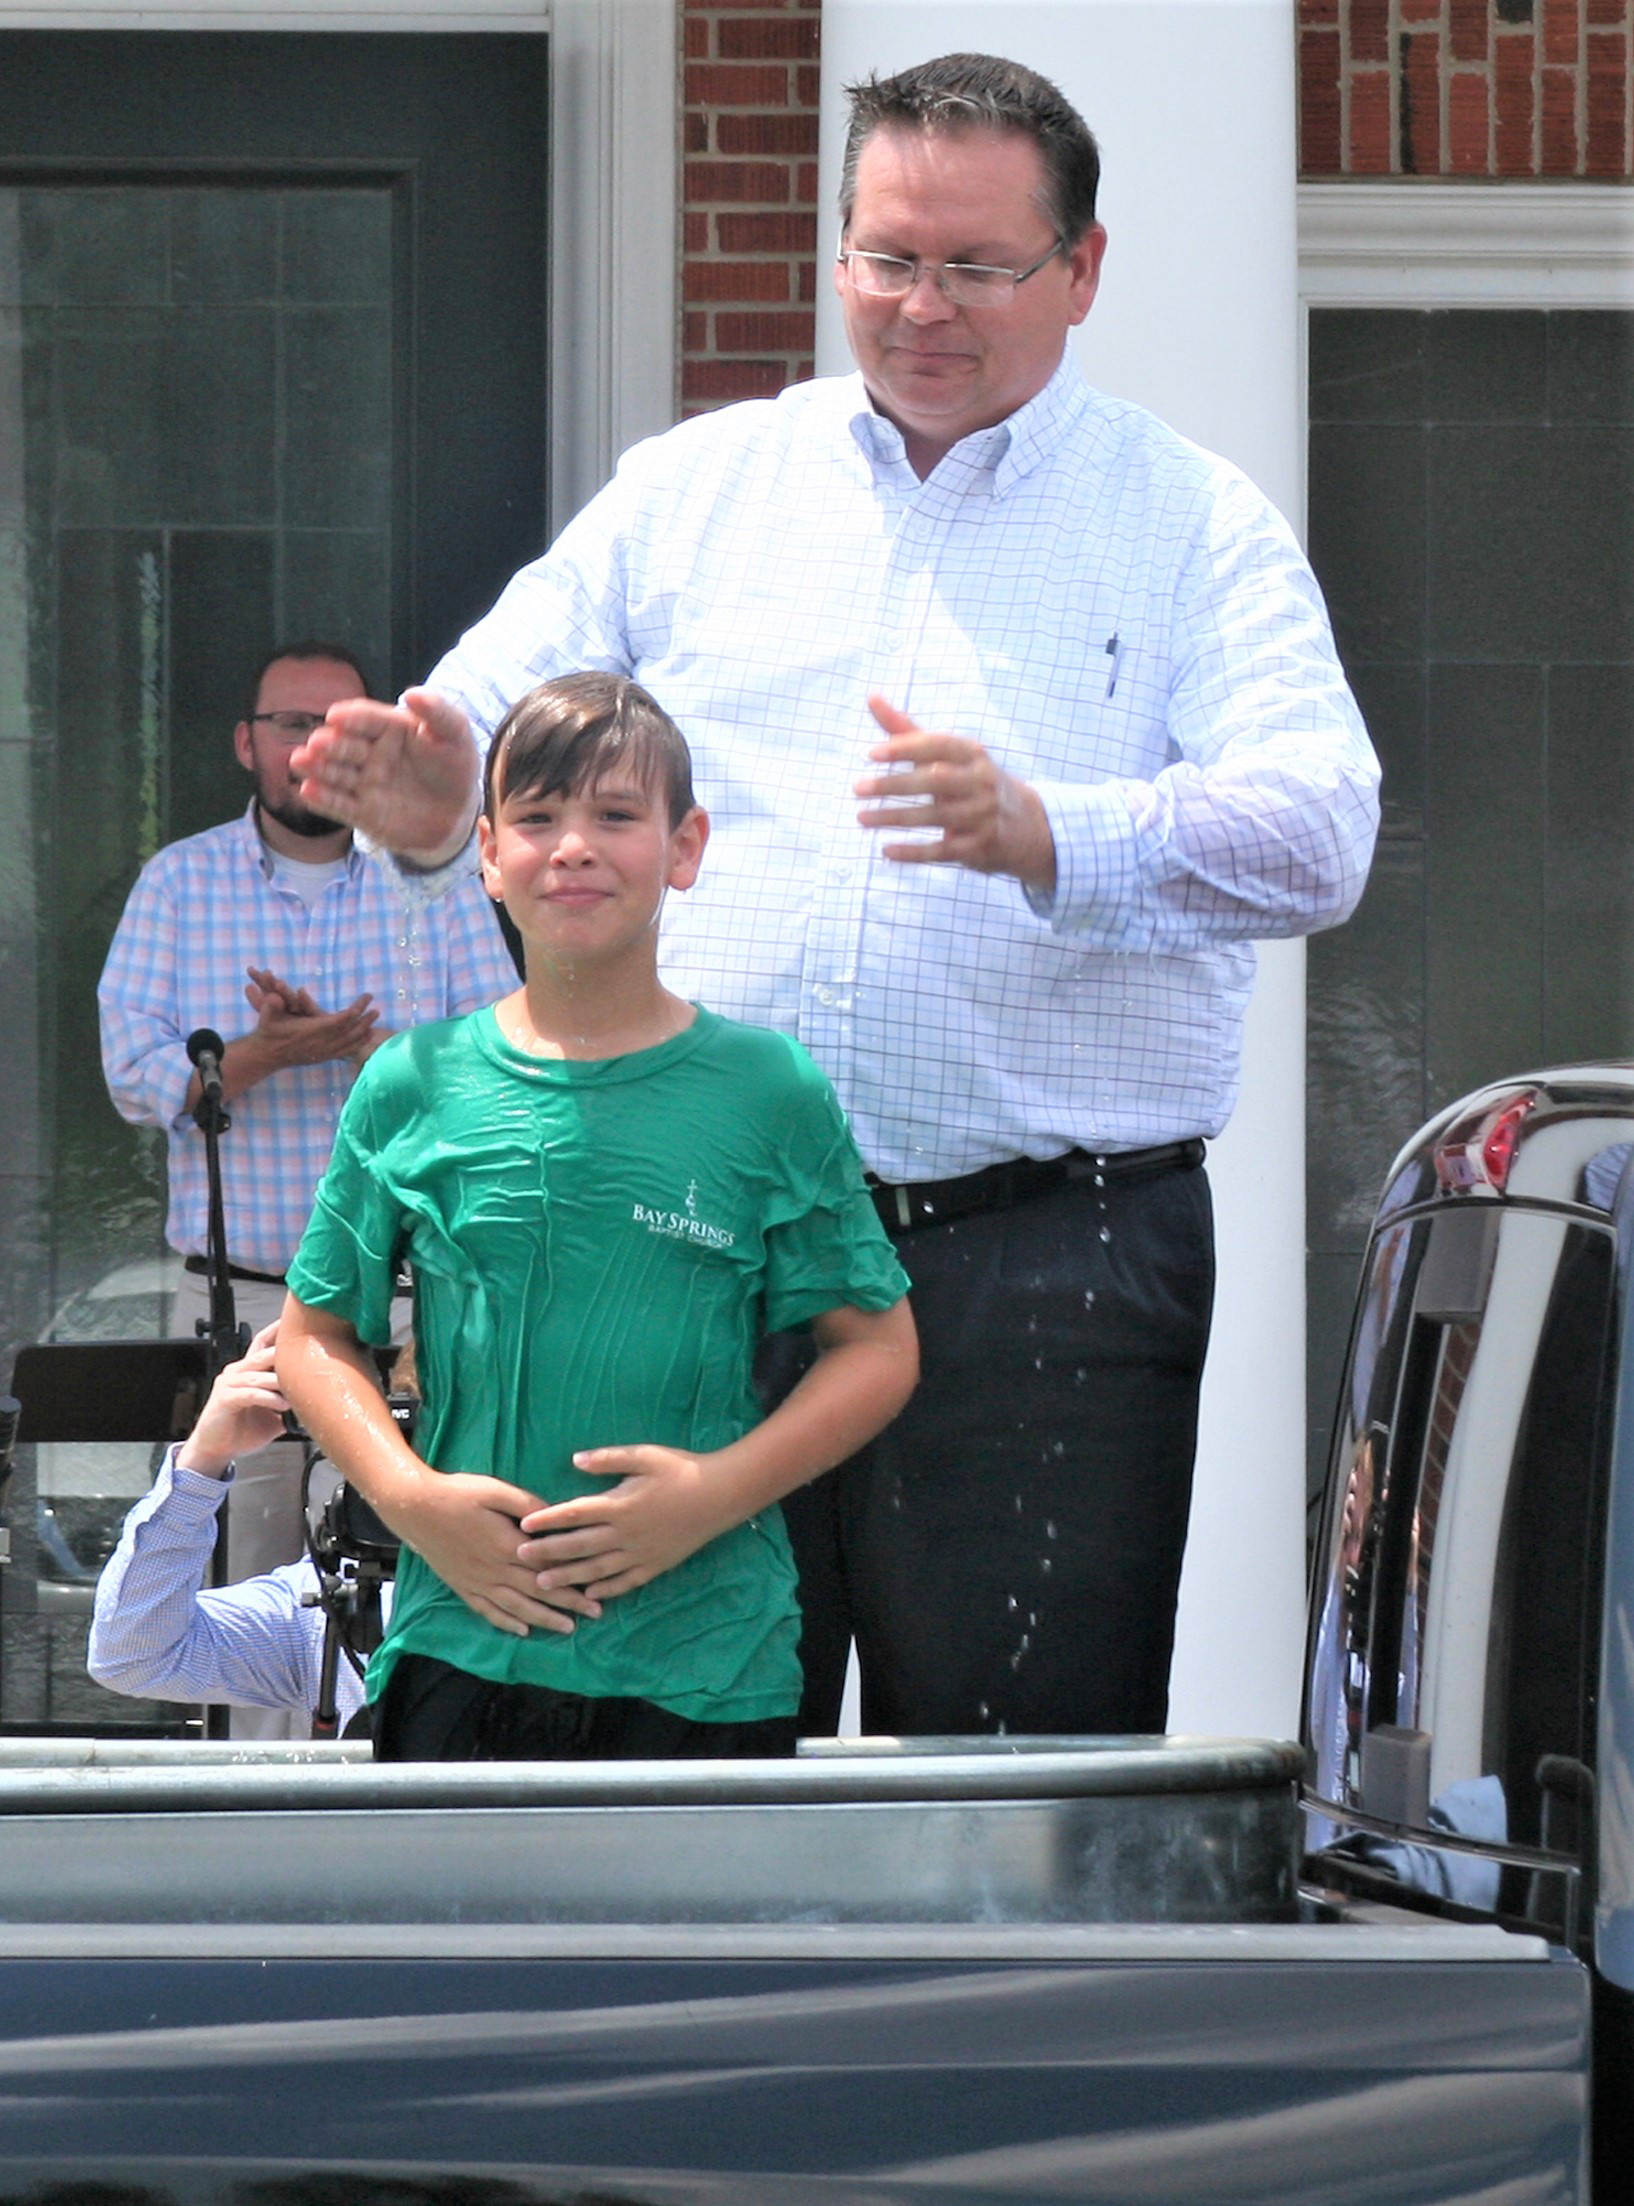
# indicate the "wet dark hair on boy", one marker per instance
pixel 569 734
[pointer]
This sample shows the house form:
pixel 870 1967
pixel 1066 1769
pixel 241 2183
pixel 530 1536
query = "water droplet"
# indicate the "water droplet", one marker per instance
pixel 1010 1601
pixel 1106 1233
pixel 981 1711
pixel 1049 1528
pixel 1032 1325
pixel 1038 1363
pixel 1044 1563
pixel 1058 1448
pixel 1089 1304
pixel 1002 1728
pixel 1018 1505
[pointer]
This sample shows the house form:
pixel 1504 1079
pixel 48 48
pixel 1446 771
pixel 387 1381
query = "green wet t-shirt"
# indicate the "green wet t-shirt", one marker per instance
pixel 597 1249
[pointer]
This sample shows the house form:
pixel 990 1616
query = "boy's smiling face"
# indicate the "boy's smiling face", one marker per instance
pixel 583 874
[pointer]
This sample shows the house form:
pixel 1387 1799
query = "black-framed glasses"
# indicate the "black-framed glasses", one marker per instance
pixel 296 724
pixel 961 282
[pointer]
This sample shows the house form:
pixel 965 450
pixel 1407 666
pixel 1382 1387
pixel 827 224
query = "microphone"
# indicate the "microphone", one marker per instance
pixel 206 1049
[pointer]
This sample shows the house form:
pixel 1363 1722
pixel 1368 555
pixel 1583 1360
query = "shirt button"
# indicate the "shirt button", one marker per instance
pixel 825 995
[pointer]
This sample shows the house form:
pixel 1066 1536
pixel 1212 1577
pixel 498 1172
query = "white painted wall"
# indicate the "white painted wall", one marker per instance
pixel 1198 318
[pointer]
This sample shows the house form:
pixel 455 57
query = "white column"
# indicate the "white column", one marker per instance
pixel 614 118
pixel 1193 104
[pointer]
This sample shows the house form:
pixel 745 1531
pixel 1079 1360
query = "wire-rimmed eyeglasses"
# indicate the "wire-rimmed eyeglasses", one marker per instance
pixel 961 282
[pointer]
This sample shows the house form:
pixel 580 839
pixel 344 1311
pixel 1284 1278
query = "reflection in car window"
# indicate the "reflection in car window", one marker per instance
pixel 1457 1622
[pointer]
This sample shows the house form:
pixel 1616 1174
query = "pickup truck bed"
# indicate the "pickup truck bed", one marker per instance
pixel 332 1984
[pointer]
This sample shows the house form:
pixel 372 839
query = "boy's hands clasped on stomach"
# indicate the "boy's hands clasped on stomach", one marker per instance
pixel 665 1506
pixel 669 1502
pixel 464 1526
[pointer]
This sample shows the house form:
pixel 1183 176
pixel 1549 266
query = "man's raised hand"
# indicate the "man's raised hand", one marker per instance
pixel 988 819
pixel 405 774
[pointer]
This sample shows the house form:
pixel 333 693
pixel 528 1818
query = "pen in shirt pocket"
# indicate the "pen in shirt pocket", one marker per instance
pixel 1114 652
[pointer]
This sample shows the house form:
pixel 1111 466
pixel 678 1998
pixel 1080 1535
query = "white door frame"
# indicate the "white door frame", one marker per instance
pixel 614 137
pixel 1466 245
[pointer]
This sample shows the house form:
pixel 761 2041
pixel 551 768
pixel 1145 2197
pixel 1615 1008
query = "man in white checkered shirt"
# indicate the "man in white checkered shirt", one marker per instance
pixel 1017 718
pixel 275 932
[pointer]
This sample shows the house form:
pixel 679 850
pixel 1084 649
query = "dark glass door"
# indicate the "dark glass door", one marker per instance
pixel 1472 522
pixel 272 365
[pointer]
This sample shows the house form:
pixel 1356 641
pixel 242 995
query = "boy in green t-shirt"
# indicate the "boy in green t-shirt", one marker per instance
pixel 607 1195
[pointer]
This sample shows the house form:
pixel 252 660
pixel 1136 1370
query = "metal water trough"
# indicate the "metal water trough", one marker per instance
pixel 1011 1830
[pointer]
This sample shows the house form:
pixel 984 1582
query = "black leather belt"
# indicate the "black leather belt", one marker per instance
pixel 1000 1186
pixel 200 1267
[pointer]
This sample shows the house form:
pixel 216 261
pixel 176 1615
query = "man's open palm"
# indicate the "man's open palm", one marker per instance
pixel 405 774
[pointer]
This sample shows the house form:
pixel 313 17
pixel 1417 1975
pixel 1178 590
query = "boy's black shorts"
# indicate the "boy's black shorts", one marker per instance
pixel 431 1712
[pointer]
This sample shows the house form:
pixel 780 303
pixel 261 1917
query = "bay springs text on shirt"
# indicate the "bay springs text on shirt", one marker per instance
pixel 682 1225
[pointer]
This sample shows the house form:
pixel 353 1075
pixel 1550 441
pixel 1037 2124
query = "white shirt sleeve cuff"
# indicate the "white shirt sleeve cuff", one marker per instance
pixel 416 887
pixel 1096 887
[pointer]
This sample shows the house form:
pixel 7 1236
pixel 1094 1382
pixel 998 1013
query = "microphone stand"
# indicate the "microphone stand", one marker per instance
pixel 225 1339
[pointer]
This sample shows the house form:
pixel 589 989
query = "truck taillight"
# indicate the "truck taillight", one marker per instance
pixel 1479 1152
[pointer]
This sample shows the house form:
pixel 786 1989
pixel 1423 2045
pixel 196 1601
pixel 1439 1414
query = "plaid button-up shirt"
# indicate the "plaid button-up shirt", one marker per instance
pixel 203 911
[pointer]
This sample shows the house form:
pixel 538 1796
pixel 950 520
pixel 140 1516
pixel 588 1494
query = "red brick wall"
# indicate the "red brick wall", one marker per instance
pixel 749 240
pixel 1490 88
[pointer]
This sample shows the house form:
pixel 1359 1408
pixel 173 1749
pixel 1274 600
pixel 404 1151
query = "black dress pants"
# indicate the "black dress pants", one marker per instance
pixel 431 1712
pixel 1007 1554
